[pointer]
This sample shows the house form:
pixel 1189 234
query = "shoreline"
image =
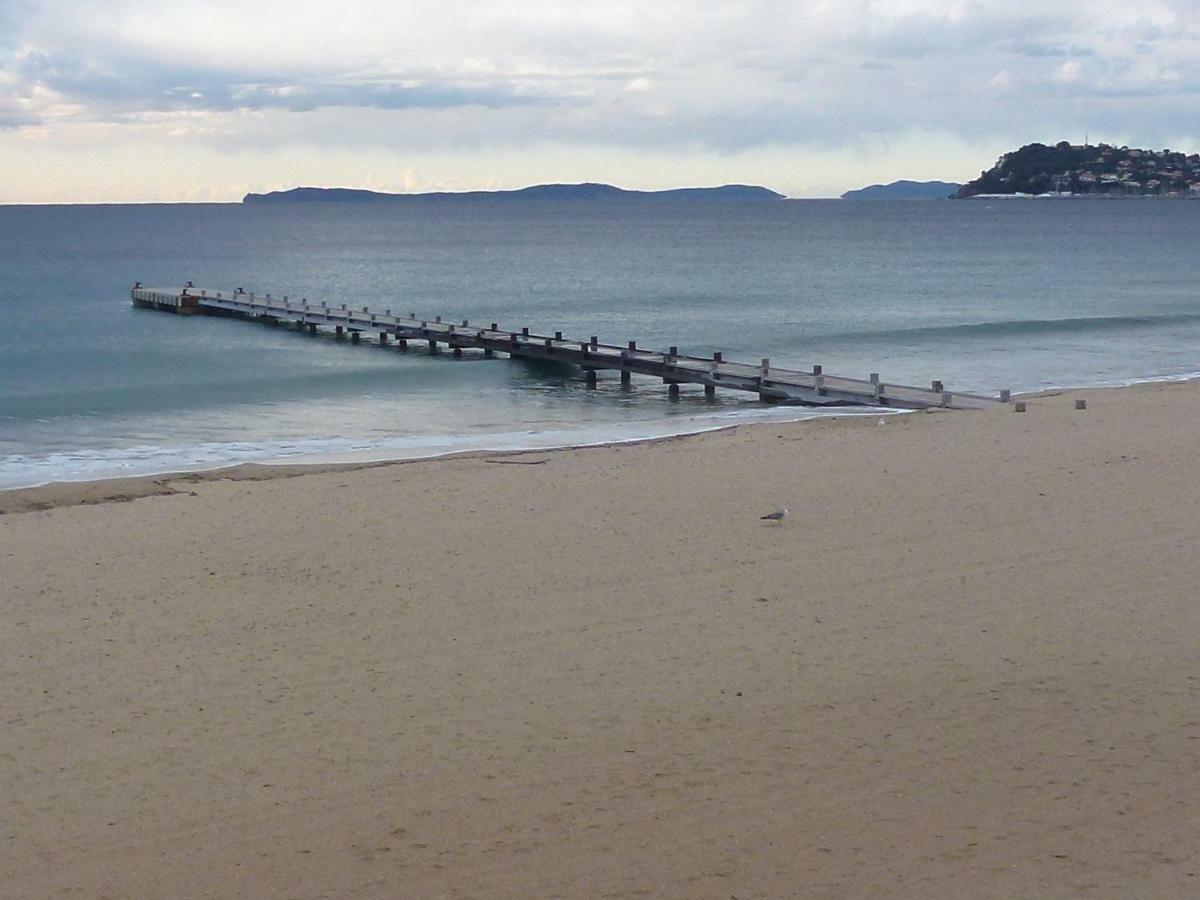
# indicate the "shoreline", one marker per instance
pixel 380 455
pixel 118 489
pixel 963 666
pixel 155 483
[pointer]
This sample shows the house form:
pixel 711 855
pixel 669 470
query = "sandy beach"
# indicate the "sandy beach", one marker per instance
pixel 966 666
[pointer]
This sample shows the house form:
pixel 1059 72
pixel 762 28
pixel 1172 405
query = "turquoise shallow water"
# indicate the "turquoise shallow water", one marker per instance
pixel 1021 295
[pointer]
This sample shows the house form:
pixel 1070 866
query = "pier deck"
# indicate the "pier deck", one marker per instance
pixel 770 383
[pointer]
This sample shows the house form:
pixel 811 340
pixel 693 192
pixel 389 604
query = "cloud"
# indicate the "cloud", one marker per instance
pixel 716 77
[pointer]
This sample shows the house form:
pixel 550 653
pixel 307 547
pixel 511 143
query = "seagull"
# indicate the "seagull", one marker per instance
pixel 778 516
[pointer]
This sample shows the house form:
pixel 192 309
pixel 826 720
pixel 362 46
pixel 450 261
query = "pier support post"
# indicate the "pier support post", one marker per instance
pixel 717 357
pixel 817 370
pixel 383 338
pixel 938 387
pixel 673 392
pixel 947 398
pixel 458 352
pixel 626 378
pixel 594 342
pixel 710 392
pixel 433 346
pixel 299 324
pixel 339 331
pixel 818 382
pixel 355 337
pixel 312 328
pixel 401 343
pixel 489 353
pixel 874 378
pixel 589 376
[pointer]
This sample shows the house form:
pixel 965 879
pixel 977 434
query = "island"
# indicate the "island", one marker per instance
pixel 905 190
pixel 538 192
pixel 1069 170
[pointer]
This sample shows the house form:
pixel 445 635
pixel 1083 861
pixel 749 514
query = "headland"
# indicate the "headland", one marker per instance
pixel 534 193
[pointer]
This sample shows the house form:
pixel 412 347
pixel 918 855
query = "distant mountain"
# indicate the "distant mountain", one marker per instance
pixel 740 192
pixel 1088 169
pixel 905 190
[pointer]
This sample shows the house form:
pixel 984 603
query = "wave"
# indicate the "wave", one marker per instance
pixel 31 470
pixel 1019 328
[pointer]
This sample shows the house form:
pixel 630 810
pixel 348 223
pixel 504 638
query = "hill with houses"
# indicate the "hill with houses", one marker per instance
pixel 1085 169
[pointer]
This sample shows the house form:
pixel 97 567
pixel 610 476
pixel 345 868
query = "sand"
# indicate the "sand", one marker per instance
pixel 966 666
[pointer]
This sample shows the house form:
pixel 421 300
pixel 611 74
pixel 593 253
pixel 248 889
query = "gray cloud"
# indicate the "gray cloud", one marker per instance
pixel 723 76
pixel 113 90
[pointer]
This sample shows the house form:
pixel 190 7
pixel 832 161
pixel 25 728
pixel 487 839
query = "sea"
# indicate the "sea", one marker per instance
pixel 983 295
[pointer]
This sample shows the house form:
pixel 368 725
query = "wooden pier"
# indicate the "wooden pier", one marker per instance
pixel 771 383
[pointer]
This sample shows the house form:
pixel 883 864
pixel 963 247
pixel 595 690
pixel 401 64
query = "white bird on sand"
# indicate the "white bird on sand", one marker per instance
pixel 778 516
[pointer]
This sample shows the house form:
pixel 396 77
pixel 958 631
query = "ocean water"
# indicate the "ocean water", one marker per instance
pixel 1019 295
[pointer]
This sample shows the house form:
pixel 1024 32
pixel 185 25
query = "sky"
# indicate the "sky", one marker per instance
pixel 180 100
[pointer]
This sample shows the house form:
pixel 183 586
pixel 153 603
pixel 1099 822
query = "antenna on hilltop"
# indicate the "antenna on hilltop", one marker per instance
pixel 1085 137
